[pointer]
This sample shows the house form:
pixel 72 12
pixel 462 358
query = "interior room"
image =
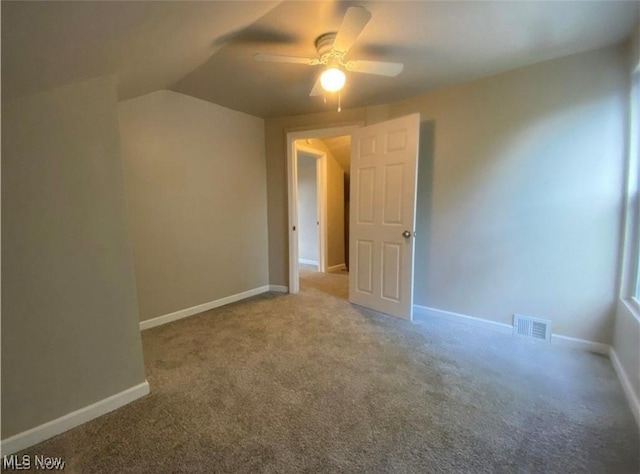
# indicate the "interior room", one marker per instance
pixel 320 236
pixel 322 180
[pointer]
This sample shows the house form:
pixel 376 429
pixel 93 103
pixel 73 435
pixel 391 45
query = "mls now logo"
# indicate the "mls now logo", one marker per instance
pixel 19 463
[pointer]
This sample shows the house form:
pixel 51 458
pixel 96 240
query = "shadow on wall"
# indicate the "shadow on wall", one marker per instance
pixel 424 200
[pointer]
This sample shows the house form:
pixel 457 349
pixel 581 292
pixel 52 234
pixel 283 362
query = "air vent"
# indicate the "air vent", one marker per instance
pixel 534 328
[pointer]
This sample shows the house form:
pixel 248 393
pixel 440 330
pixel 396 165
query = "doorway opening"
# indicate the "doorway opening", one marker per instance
pixel 312 207
pixel 319 173
pixel 382 217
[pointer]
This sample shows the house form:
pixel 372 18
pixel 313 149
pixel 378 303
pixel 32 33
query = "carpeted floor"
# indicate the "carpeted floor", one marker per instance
pixel 309 383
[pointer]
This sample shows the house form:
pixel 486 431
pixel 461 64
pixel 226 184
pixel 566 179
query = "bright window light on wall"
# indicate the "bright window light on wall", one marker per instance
pixel 635 157
pixel 332 80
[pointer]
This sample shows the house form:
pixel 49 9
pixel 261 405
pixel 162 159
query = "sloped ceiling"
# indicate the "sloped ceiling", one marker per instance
pixel 205 49
pixel 148 45
pixel 340 148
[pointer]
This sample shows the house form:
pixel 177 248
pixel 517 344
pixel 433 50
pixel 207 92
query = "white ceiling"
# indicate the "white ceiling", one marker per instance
pixel 205 49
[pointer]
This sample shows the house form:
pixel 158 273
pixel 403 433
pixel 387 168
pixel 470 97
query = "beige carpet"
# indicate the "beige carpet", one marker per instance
pixel 309 383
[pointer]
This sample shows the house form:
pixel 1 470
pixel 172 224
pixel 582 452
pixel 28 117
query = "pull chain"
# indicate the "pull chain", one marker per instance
pixel 339 106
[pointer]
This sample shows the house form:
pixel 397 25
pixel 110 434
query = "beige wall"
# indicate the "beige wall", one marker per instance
pixel 70 334
pixel 519 193
pixel 335 212
pixel 519 206
pixel 196 191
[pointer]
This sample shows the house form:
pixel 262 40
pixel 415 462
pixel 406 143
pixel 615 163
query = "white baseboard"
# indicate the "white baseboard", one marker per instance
pixel 426 311
pixel 581 344
pixel 71 420
pixel 279 288
pixel 631 395
pixel 556 339
pixel 184 313
pixel 337 268
pixel 304 261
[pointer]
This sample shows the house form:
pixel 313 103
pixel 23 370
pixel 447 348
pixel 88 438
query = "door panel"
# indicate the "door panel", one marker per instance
pixel 383 188
pixel 366 185
pixel 364 266
pixel 391 262
pixel 392 198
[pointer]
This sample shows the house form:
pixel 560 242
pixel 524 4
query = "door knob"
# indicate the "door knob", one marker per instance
pixel 406 234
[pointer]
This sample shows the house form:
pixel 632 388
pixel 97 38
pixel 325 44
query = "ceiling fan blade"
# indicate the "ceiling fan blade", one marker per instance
pixel 354 21
pixel 375 67
pixel 317 89
pixel 284 59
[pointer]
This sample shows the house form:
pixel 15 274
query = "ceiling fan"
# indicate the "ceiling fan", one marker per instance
pixel 332 49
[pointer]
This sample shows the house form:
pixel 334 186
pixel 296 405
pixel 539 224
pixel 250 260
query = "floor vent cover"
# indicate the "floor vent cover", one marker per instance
pixel 532 327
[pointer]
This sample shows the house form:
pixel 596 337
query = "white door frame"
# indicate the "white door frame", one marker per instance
pixel 292 173
pixel 321 200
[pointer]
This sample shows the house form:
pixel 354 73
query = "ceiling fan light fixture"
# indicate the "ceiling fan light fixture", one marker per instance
pixel 332 79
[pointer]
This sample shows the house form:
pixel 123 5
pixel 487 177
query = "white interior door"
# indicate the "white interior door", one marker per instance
pixel 384 160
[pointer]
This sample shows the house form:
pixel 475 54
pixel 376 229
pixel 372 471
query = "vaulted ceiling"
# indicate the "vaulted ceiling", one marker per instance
pixel 205 49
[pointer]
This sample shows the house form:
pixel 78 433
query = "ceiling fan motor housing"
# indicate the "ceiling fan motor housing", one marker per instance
pixel 329 56
pixel 324 43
